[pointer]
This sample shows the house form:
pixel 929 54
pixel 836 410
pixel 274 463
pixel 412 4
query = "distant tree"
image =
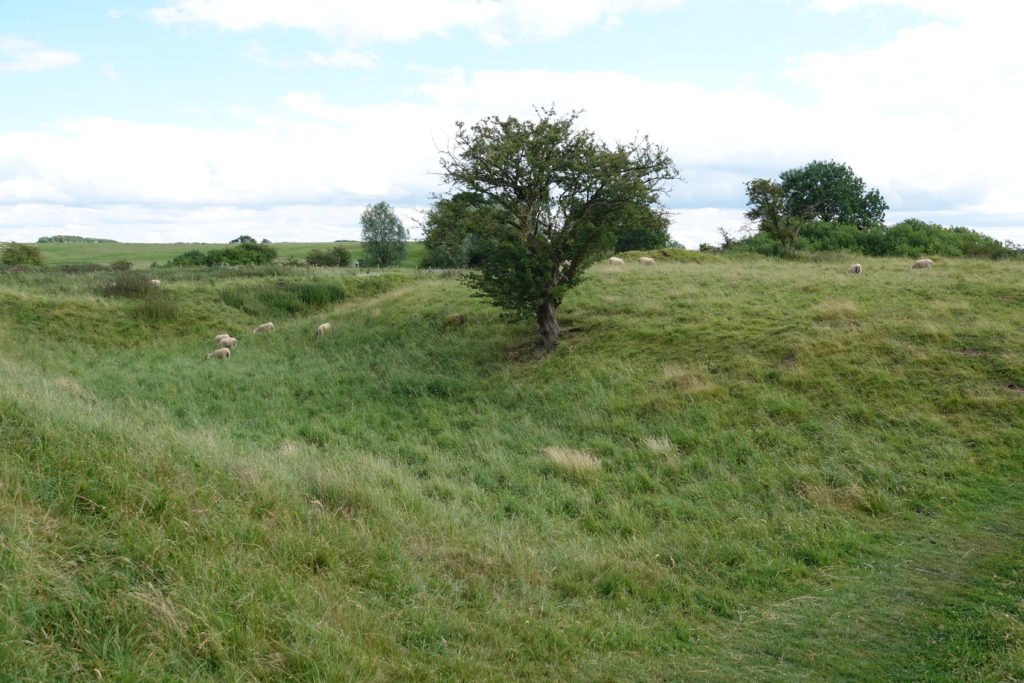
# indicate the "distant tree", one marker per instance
pixel 243 239
pixel 829 191
pixel 14 254
pixel 564 195
pixel 383 236
pixel 459 230
pixel 335 256
pixel 264 241
pixel 770 208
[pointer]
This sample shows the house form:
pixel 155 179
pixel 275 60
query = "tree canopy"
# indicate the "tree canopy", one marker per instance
pixel 14 254
pixel 383 236
pixel 831 192
pixel 560 194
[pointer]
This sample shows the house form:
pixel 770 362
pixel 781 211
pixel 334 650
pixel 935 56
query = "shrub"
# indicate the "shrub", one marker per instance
pixel 15 254
pixel 132 285
pixel 335 256
pixel 121 265
pixel 155 309
pixel 245 254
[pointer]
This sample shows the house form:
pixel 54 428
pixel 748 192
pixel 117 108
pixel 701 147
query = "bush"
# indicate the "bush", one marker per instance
pixel 155 309
pixel 121 265
pixel 335 256
pixel 245 254
pixel 132 285
pixel 15 254
pixel 283 298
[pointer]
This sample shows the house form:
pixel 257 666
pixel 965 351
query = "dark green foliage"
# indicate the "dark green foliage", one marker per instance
pixel 642 227
pixel 133 285
pixel 68 239
pixel 155 308
pixel 383 236
pixel 335 256
pixel 771 209
pixel 459 230
pixel 243 239
pixel 829 191
pixel 121 265
pixel 14 254
pixel 562 195
pixel 245 254
pixel 912 238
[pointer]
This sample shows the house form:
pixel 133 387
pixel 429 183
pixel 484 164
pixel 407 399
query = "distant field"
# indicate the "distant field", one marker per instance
pixel 732 468
pixel 142 255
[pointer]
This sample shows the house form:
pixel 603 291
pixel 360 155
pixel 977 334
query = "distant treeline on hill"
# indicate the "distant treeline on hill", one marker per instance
pixel 911 238
pixel 72 238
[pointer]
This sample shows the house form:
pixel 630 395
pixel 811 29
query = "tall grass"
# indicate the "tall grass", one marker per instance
pixel 729 470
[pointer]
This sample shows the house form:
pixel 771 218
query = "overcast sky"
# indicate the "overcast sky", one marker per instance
pixel 200 120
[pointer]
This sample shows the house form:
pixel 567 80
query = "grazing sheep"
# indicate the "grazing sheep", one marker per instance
pixel 615 261
pixel 855 269
pixel 228 341
pixel 323 329
pixel 923 263
pixel 155 283
pixel 221 336
pixel 219 353
pixel 646 261
pixel 265 327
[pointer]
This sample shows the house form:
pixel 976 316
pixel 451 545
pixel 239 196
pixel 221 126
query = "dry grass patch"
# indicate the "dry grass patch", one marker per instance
pixel 660 445
pixel 573 460
pixel 836 310
pixel 689 380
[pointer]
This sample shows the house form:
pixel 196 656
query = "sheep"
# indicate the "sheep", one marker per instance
pixel 646 261
pixel 923 263
pixel 221 336
pixel 228 341
pixel 265 327
pixel 855 269
pixel 155 283
pixel 615 261
pixel 219 353
pixel 323 329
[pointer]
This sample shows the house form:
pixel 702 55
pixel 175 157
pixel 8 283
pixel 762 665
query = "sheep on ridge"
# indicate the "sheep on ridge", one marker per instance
pixel 646 261
pixel 923 263
pixel 323 329
pixel 265 327
pixel 219 353
pixel 615 261
pixel 855 269
pixel 228 341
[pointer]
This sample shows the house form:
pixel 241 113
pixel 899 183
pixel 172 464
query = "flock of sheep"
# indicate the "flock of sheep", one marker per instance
pixel 225 342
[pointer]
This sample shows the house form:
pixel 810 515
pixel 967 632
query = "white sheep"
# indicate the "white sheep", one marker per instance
pixel 265 327
pixel 855 269
pixel 615 261
pixel 646 261
pixel 923 263
pixel 219 353
pixel 155 283
pixel 323 329
pixel 221 336
pixel 228 341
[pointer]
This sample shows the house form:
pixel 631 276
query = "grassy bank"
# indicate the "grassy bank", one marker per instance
pixel 730 469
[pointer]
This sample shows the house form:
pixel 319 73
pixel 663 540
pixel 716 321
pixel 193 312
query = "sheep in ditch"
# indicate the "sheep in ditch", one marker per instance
pixel 923 263
pixel 219 353
pixel 155 283
pixel 646 261
pixel 855 269
pixel 615 261
pixel 227 341
pixel 323 329
pixel 221 336
pixel 265 327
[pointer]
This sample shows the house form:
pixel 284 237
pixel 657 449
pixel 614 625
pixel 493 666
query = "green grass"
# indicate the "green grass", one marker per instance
pixel 732 469
pixel 143 255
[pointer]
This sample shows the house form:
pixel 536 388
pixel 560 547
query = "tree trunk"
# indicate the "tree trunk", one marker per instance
pixel 548 324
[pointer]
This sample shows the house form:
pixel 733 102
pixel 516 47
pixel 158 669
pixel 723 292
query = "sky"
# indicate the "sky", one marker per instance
pixel 202 120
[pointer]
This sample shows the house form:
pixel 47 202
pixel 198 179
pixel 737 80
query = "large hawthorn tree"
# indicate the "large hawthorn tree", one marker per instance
pixel 563 193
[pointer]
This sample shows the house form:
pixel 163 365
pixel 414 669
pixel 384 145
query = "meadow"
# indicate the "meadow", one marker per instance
pixel 142 255
pixel 731 468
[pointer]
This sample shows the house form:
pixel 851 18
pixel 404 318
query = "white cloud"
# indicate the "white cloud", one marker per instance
pixel 343 59
pixel 24 55
pixel 406 20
